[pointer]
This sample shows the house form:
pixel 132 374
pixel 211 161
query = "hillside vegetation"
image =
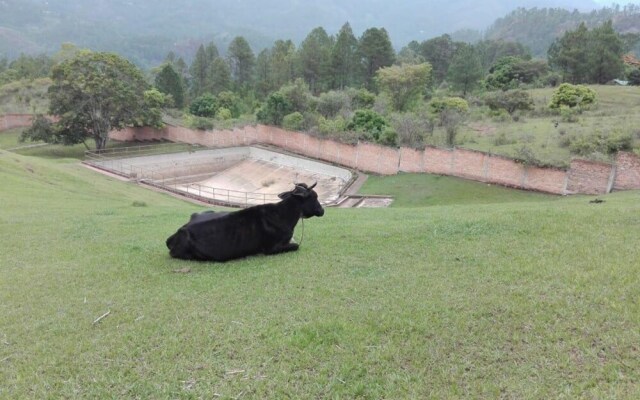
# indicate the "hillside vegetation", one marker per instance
pixel 533 299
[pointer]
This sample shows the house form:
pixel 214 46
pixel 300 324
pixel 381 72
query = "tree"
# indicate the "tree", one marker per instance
pixel 241 60
pixel 569 54
pixel 92 94
pixel 283 63
pixel 376 51
pixel 198 72
pixel 605 55
pixel 451 112
pixel 274 109
pixel 169 82
pixel 314 55
pixel 404 83
pixel 438 52
pixel 344 59
pixel 465 70
pixel 218 76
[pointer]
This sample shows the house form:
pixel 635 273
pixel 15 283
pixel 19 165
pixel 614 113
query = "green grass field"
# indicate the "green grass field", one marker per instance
pixel 455 292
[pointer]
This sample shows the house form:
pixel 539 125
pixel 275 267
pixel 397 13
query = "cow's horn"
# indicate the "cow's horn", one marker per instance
pixel 312 186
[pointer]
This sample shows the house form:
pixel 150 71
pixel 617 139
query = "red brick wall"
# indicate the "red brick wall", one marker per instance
pixel 411 160
pixel 469 164
pixel 545 179
pixel 438 161
pixel 588 177
pixel 505 171
pixel 10 121
pixel 627 171
pixel 582 177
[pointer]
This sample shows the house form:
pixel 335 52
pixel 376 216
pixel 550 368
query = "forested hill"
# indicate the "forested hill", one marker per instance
pixel 145 30
pixel 536 28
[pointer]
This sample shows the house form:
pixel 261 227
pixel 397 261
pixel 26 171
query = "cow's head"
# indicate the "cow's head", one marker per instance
pixel 311 207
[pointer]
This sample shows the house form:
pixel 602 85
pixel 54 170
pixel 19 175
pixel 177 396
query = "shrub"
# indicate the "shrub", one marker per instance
pixel 274 109
pixel 293 121
pixel 204 106
pixel 201 123
pixel 437 105
pixel 510 101
pixel 502 140
pixel 223 114
pixel 572 96
pixel 600 142
pixel 331 127
pixel 369 123
pixel 330 103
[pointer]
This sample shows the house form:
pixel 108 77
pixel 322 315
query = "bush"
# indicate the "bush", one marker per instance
pixel 511 101
pixel 204 106
pixel 201 123
pixel 572 96
pixel 293 121
pixel 437 105
pixel 370 123
pixel 330 103
pixel 274 109
pixel 604 143
pixel 502 140
pixel 223 114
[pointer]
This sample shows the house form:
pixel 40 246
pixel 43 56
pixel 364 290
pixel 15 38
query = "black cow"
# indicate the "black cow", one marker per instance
pixel 267 228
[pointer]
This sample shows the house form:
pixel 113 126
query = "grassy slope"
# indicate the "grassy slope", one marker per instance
pixel 521 300
pixel 616 110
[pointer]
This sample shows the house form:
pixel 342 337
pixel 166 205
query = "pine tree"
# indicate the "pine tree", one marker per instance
pixel 465 70
pixel 219 76
pixel 198 72
pixel 375 51
pixel 168 81
pixel 241 60
pixel 605 54
pixel 314 54
pixel 344 59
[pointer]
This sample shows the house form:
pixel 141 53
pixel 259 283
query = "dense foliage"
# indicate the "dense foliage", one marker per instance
pixel 92 94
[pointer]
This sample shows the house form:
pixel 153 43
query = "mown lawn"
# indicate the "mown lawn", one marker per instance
pixel 517 299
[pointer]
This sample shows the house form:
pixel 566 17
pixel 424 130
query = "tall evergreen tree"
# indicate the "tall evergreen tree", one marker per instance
pixel 314 54
pixel 284 62
pixel 375 51
pixel 241 60
pixel 219 76
pixel 263 85
pixel 168 81
pixel 344 59
pixel 465 70
pixel 198 72
pixel 570 55
pixel 605 54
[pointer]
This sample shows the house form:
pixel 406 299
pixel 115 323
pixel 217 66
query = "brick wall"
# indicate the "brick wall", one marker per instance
pixel 10 121
pixel 588 177
pixel 627 171
pixel 582 177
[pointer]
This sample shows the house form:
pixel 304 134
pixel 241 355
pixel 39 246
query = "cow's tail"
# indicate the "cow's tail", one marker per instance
pixel 179 245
